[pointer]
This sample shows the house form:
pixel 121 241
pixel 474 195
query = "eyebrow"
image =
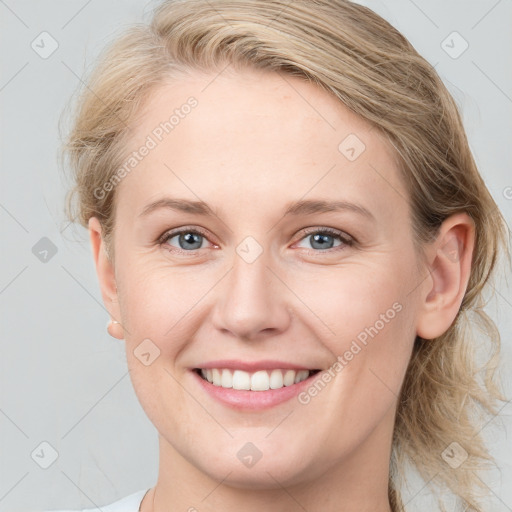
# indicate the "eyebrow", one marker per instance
pixel 302 207
pixel 308 207
pixel 184 205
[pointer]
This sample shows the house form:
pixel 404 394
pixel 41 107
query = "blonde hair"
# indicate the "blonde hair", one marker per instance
pixel 353 53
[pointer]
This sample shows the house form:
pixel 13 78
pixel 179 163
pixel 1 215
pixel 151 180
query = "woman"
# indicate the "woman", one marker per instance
pixel 293 240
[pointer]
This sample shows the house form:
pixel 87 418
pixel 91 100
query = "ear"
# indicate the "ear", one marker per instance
pixel 449 260
pixel 106 277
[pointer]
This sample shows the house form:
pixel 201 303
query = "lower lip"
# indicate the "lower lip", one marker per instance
pixel 253 400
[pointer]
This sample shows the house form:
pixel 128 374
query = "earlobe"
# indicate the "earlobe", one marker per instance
pixel 449 257
pixel 106 277
pixel 115 330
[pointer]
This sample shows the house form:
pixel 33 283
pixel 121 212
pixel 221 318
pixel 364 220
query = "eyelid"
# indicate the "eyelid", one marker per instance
pixel 331 231
pixel 346 240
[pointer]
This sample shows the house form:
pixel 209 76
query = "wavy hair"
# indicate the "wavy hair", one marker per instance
pixel 356 55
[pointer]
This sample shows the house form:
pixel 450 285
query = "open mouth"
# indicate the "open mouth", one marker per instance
pixel 261 380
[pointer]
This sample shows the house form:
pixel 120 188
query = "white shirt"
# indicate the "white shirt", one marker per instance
pixel 129 503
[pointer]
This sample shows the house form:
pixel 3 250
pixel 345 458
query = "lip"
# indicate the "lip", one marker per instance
pixel 245 400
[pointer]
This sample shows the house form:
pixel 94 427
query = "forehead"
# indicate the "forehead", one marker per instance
pixel 256 135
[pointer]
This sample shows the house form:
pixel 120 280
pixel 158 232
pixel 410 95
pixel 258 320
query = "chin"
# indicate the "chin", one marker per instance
pixel 268 472
pixel 270 476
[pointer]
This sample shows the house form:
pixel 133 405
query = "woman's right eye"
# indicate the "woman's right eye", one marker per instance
pixel 184 240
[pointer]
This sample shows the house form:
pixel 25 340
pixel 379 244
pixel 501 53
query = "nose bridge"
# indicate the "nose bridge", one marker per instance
pixel 251 300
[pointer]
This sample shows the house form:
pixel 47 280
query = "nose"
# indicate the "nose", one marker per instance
pixel 252 301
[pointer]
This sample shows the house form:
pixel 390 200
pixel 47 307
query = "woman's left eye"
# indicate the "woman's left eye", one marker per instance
pixel 323 239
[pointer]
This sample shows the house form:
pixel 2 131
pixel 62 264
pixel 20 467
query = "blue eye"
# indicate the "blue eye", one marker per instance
pixel 186 239
pixel 324 239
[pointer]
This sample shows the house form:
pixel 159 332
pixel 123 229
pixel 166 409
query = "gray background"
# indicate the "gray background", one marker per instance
pixel 63 380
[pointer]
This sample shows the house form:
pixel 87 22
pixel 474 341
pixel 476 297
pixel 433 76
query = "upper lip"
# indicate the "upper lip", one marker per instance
pixel 251 366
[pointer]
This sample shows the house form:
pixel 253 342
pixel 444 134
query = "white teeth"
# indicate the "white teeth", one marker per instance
pixel 276 379
pixel 241 380
pixel 261 380
pixel 216 374
pixel 226 380
pixel 289 378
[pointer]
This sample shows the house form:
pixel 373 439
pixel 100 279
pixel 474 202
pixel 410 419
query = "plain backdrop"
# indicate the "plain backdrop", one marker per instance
pixel 73 434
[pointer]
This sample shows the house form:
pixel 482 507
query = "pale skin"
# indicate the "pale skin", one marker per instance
pixel 253 145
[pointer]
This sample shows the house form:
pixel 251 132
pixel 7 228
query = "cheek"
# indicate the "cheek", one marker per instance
pixel 154 302
pixel 353 302
pixel 373 324
pixel 366 315
pixel 155 299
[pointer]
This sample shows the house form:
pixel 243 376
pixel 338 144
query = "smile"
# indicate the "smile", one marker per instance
pixel 260 380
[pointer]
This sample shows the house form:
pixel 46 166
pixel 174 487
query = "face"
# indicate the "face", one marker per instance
pixel 267 241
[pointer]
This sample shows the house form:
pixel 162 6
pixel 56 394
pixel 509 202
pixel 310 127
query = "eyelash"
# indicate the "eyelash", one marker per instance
pixel 346 240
